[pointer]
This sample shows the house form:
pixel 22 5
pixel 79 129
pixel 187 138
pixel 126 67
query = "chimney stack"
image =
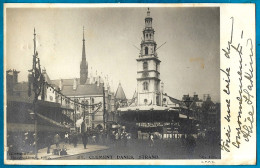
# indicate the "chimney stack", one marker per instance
pixel 75 84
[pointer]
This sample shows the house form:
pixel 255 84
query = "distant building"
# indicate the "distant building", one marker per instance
pixel 20 115
pixel 87 90
pixel 210 114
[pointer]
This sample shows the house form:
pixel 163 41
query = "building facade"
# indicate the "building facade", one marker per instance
pixel 93 91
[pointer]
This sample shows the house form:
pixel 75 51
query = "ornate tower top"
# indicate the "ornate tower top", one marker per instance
pixel 148 20
pixel 148 12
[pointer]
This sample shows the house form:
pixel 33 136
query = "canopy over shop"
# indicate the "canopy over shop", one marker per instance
pixel 160 119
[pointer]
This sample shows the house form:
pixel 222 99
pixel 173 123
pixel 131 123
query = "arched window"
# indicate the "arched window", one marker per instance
pixel 146 50
pixel 145 101
pixel 150 36
pixel 145 66
pixel 145 86
pixel 146 35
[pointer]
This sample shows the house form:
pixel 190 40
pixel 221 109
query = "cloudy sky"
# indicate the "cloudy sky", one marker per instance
pixel 190 57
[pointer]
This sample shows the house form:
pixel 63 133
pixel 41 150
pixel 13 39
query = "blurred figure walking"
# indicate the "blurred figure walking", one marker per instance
pixel 85 139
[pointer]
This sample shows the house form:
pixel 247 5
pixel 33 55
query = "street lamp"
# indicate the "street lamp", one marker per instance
pixel 38 86
pixel 188 102
pixel 34 117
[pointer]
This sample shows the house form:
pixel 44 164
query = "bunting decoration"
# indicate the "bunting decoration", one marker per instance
pixel 68 99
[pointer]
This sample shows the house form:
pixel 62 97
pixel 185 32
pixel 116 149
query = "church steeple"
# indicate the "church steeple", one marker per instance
pixel 83 64
pixel 148 45
pixel 148 68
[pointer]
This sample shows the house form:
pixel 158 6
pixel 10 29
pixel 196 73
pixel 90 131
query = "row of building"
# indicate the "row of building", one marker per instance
pixel 90 101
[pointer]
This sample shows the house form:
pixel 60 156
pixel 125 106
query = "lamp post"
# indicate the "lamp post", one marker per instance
pixel 188 102
pixel 104 108
pixel 38 84
pixel 34 117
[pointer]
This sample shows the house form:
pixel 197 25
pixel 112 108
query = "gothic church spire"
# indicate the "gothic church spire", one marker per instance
pixel 83 64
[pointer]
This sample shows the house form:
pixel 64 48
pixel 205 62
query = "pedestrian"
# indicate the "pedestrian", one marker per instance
pixel 182 140
pixel 116 138
pixel 75 139
pixel 190 144
pixel 85 139
pixel 48 142
pixel 57 140
pixel 124 138
pixel 63 151
pixel 93 138
pixel 66 137
pixel 151 140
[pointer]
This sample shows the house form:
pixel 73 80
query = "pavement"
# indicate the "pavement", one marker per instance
pixel 134 149
pixel 140 149
pixel 71 150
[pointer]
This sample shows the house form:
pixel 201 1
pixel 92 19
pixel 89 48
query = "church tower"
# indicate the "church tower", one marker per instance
pixel 83 64
pixel 148 67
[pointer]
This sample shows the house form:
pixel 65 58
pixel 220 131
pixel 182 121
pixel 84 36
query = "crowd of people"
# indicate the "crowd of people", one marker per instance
pixel 113 138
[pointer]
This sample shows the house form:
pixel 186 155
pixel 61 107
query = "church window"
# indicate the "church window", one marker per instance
pixel 150 36
pixel 146 50
pixel 145 85
pixel 146 35
pixel 145 66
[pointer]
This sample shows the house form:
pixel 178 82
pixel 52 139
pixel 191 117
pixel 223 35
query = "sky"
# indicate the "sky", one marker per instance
pixel 190 58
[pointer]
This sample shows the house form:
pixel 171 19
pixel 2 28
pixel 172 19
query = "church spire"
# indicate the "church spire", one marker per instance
pixel 83 47
pixel 83 64
pixel 34 41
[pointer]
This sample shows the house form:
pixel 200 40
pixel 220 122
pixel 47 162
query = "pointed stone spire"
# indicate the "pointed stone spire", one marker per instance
pixel 83 47
pixel 83 64
pixel 34 41
pixel 120 94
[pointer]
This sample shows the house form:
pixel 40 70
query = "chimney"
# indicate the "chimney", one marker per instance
pixel 196 97
pixel 15 76
pixel 75 84
pixel 61 84
pixel 208 98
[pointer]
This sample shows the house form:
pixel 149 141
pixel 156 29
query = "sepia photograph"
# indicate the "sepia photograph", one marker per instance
pixel 112 83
